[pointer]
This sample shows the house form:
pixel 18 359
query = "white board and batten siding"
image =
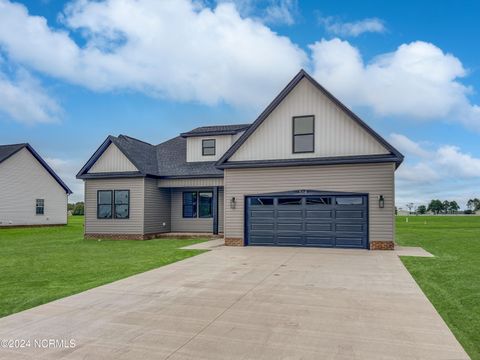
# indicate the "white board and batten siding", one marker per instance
pixel 373 179
pixel 23 180
pixel 336 134
pixel 112 160
pixel 194 147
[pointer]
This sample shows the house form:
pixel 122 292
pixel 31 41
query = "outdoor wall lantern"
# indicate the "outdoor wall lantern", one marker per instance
pixel 381 201
pixel 232 203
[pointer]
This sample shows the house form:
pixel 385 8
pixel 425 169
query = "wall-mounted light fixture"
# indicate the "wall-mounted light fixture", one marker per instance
pixel 381 201
pixel 232 203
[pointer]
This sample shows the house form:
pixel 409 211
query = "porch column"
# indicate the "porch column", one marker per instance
pixel 215 210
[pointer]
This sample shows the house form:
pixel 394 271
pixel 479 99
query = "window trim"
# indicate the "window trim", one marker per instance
pixel 312 133
pixel 114 205
pixel 111 205
pixel 214 147
pixel 38 207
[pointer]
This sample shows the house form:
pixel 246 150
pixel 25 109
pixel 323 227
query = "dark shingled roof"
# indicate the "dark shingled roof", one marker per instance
pixel 172 161
pixel 7 151
pixel 216 130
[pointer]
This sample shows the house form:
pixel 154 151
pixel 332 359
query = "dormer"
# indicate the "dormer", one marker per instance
pixel 209 143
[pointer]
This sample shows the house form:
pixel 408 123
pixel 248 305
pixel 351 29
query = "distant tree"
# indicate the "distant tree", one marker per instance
pixel 470 205
pixel 422 209
pixel 410 207
pixel 70 206
pixel 79 208
pixel 435 206
pixel 453 207
pixel 476 203
pixel 445 206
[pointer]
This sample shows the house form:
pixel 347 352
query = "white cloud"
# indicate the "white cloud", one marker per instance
pixel 408 146
pixel 445 172
pixel 418 80
pixel 177 50
pixel 355 28
pixel 23 99
pixel 458 163
pixel 281 12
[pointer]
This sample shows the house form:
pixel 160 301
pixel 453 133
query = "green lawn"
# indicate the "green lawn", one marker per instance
pixel 38 265
pixel 451 280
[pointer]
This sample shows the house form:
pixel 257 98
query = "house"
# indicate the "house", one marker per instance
pixel 30 191
pixel 306 172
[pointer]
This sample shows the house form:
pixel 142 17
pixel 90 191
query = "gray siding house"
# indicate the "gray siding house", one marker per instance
pixel 30 191
pixel 307 172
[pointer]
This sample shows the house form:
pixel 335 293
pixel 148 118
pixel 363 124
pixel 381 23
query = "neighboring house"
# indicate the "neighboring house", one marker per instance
pixel 30 191
pixel 307 172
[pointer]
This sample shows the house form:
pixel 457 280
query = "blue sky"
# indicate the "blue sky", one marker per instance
pixel 72 72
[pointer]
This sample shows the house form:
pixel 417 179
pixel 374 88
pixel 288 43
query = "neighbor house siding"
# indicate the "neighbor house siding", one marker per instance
pixel 374 179
pixel 157 208
pixel 194 147
pixel 336 134
pixel 133 225
pixel 198 182
pixel 179 224
pixel 23 180
pixel 112 160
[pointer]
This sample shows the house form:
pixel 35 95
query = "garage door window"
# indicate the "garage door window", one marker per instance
pixel 261 201
pixel 318 201
pixel 290 201
pixel 351 200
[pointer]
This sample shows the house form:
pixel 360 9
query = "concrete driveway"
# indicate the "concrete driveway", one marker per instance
pixel 245 303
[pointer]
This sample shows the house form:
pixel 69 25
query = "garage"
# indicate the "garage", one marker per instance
pixel 307 218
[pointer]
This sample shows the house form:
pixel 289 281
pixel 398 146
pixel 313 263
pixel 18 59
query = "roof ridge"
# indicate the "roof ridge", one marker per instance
pixel 132 138
pixel 18 144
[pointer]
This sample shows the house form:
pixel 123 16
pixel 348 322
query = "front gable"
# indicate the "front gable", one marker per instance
pixel 112 160
pixel 338 133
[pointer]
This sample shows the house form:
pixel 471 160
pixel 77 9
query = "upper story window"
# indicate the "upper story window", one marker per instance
pixel 208 147
pixel 303 134
pixel 40 206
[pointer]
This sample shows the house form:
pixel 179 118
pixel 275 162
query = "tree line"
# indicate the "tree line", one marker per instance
pixel 437 206
pixel 77 208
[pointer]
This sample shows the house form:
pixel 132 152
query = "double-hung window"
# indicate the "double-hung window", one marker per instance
pixel 197 204
pixel 40 206
pixel 303 134
pixel 208 147
pixel 104 204
pixel 113 204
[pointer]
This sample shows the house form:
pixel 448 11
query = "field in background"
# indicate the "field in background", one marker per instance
pixel 38 265
pixel 451 280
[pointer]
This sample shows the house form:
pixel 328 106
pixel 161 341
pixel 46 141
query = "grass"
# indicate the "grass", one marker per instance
pixel 451 280
pixel 38 265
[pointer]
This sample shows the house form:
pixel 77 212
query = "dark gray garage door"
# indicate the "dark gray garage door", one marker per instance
pixel 307 220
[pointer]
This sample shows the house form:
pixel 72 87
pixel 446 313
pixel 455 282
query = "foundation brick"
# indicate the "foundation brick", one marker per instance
pixel 234 242
pixel 382 245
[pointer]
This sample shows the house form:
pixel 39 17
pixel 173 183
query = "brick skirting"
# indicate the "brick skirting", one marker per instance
pixel 2 226
pixel 234 242
pixel 148 236
pixel 382 245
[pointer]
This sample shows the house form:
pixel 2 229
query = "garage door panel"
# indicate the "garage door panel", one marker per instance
pixel 349 227
pixel 289 214
pixel 262 239
pixel 262 226
pixel 319 214
pixel 349 214
pixel 318 226
pixel 262 214
pixel 292 240
pixel 350 242
pixel 325 241
pixel 289 226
